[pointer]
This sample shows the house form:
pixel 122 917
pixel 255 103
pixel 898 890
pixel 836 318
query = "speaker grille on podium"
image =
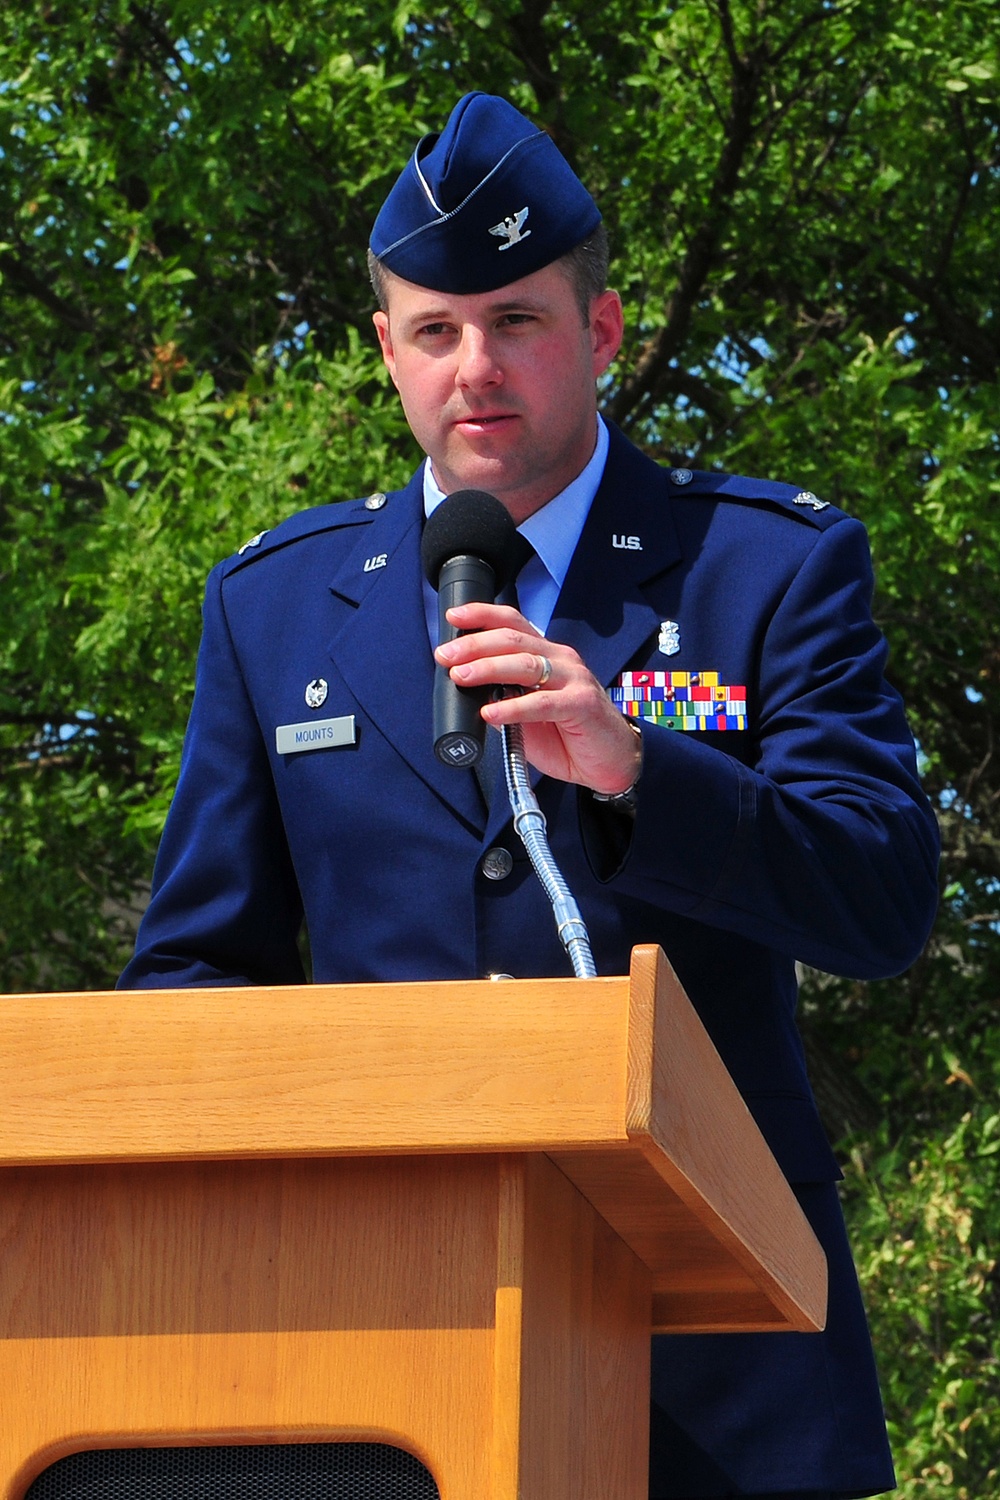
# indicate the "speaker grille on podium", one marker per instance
pixel 280 1471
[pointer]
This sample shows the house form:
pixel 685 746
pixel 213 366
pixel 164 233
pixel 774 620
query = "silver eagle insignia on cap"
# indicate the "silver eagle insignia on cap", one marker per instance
pixel 510 229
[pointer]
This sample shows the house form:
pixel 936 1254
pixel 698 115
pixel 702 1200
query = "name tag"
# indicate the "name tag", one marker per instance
pixel 315 734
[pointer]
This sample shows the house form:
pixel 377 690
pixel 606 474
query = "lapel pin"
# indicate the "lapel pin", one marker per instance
pixel 316 692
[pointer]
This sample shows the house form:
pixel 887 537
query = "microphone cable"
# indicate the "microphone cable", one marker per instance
pixel 529 820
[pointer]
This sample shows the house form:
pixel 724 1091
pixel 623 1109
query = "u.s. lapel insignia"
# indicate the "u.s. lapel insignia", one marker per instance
pixel 316 692
pixel 669 640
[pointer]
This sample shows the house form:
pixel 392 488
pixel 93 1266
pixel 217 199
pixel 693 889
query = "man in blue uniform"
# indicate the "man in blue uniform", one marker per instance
pixel 722 766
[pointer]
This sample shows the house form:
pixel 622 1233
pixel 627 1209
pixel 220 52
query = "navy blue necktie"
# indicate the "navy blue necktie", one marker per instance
pixel 488 768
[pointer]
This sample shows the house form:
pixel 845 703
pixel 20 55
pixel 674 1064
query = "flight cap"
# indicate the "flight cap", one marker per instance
pixel 488 200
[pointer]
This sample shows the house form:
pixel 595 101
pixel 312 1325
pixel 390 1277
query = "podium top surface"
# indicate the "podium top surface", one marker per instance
pixel 615 1078
pixel 316 1070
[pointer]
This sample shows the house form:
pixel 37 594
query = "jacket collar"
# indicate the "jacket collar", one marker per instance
pixel 604 612
pixel 381 647
pixel 629 540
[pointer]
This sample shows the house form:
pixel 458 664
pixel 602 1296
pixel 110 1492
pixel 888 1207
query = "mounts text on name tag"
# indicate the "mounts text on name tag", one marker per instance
pixel 315 734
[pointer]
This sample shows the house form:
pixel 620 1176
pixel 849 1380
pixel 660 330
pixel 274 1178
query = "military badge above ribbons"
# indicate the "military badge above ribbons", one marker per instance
pixel 669 639
pixel 681 700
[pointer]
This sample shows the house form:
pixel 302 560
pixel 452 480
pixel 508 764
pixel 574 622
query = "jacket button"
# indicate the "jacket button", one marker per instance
pixel 496 864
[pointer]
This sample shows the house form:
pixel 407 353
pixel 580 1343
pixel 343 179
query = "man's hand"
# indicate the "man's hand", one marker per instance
pixel 572 730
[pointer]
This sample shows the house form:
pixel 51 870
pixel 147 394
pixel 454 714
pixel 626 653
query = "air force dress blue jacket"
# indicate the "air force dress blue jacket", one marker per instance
pixel 779 818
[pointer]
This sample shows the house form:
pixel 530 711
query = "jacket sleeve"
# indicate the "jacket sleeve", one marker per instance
pixel 225 906
pixel 826 847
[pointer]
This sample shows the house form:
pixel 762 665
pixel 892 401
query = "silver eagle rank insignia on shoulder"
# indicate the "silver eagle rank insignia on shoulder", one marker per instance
pixel 718 485
pixel 254 541
pixel 806 497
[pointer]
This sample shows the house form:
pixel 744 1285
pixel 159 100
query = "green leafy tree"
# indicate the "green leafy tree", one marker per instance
pixel 930 1228
pixel 803 202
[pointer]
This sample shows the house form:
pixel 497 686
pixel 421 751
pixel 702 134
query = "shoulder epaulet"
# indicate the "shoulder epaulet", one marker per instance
pixel 802 504
pixel 306 523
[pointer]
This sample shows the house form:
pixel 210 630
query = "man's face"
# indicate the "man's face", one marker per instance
pixel 498 387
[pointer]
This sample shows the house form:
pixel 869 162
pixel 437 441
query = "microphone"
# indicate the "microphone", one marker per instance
pixel 469 552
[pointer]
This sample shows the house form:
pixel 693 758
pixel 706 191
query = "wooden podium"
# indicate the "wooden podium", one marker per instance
pixel 444 1216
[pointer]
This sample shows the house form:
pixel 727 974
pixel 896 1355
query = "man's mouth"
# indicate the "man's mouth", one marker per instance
pixel 485 421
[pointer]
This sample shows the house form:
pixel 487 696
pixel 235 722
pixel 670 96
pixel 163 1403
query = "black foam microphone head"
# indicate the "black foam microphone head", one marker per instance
pixel 474 524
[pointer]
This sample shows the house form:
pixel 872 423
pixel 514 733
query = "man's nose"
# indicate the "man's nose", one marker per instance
pixel 477 363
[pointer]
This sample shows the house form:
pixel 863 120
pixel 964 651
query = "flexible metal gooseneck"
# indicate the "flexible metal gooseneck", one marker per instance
pixel 529 820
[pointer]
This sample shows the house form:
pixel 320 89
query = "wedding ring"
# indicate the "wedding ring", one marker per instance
pixel 546 672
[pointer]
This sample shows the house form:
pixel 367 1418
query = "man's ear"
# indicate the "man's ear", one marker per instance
pixel 381 321
pixel 607 329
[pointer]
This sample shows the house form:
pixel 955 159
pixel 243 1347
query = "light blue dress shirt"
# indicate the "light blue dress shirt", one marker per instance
pixel 553 531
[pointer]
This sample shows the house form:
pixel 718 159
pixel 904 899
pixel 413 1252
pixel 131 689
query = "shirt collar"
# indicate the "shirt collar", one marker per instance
pixel 555 528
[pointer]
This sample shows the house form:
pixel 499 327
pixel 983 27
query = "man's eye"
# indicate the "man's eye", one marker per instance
pixel 515 319
pixel 434 330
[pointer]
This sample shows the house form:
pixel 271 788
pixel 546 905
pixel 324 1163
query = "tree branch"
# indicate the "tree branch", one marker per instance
pixel 531 48
pixel 967 338
pixel 817 17
pixel 961 201
pixel 665 344
pixel 28 281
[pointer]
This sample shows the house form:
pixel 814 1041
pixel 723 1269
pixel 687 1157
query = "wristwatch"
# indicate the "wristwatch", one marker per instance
pixel 624 801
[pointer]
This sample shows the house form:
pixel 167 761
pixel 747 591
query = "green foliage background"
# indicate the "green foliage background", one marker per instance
pixel 803 202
